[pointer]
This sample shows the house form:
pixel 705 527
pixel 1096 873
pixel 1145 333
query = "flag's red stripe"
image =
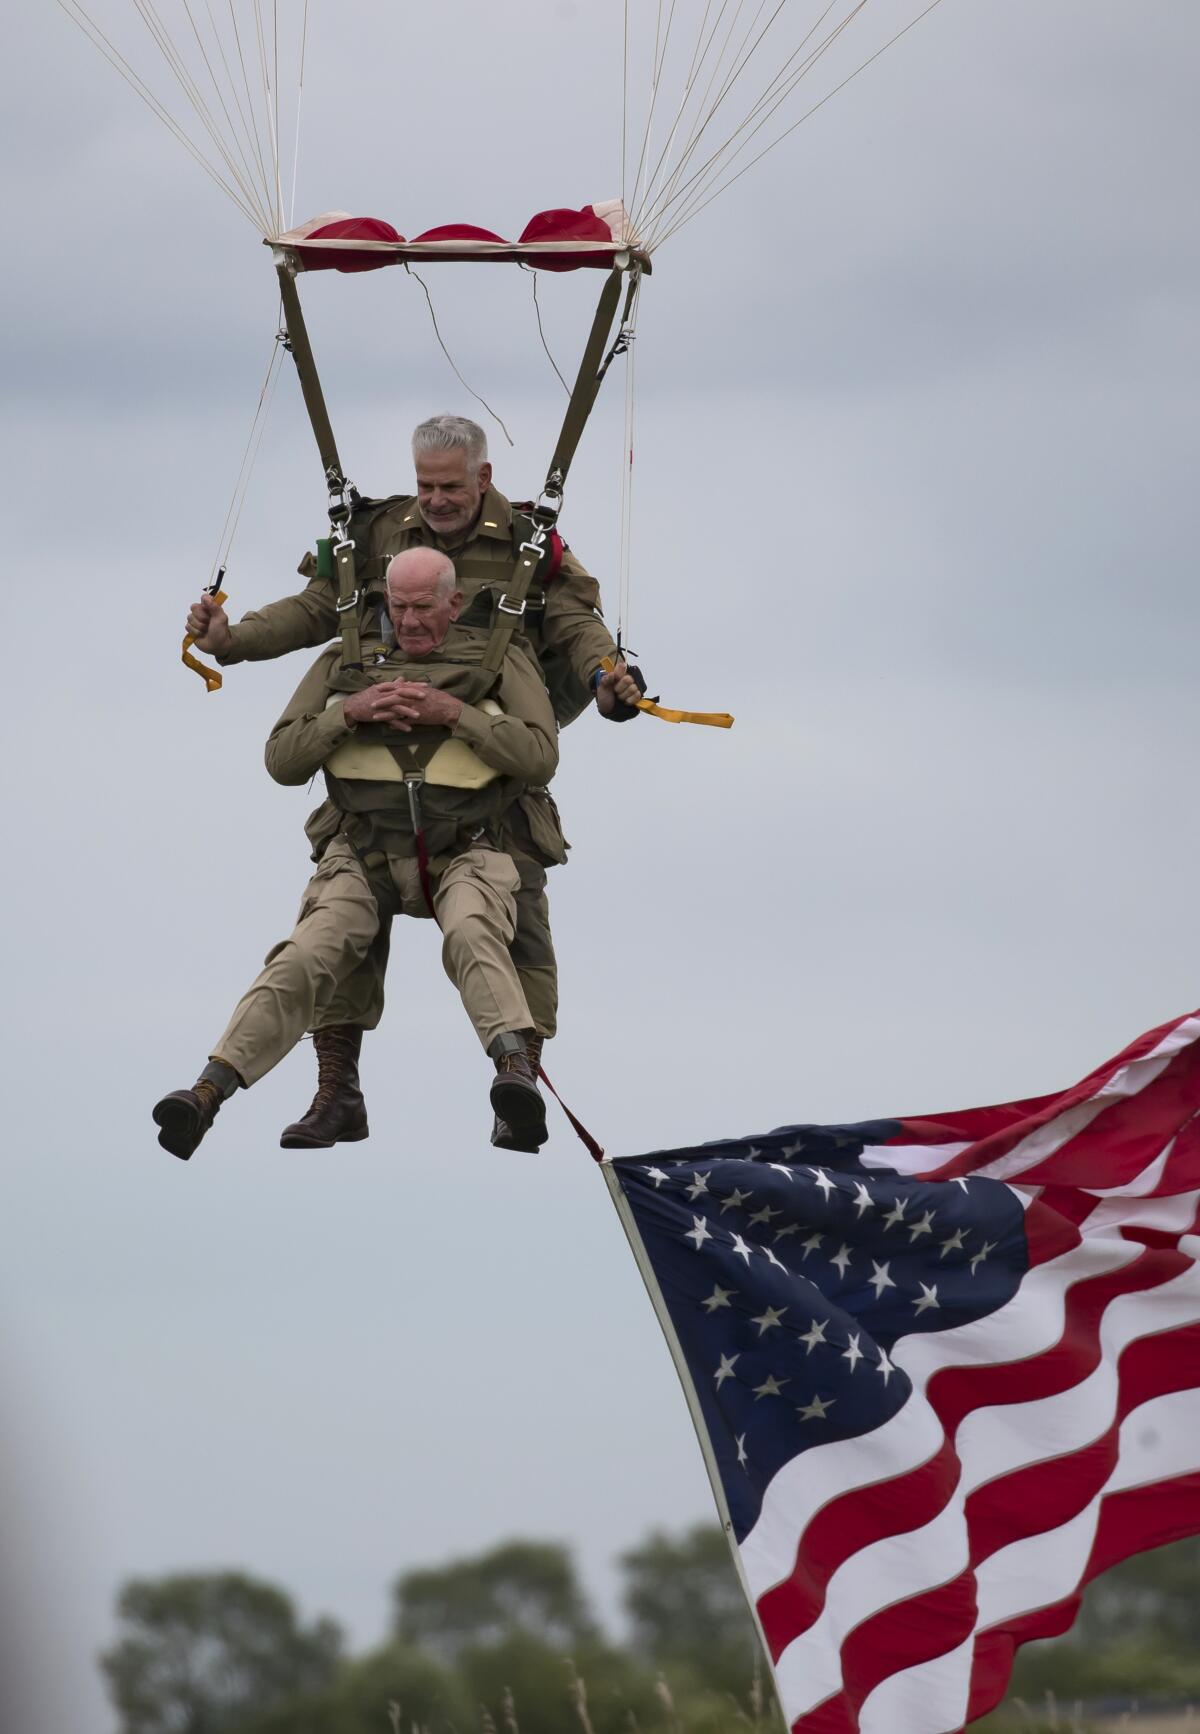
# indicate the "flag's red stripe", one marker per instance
pixel 1130 1521
pixel 844 1526
pixel 955 1391
pixel 1181 1170
pixel 1000 1143
pixel 1126 1136
pixel 1051 1224
pixel 899 1637
pixel 1043 1496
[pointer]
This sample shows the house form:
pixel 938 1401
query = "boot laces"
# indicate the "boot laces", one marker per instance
pixel 334 1050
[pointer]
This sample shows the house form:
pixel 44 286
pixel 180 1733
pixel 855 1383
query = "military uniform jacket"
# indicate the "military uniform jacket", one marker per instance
pixel 521 742
pixel 564 619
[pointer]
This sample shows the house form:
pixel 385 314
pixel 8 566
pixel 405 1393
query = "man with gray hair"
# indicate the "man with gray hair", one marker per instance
pixel 424 751
pixel 456 510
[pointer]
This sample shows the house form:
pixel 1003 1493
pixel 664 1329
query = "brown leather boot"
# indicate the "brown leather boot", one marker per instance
pixel 337 1113
pixel 516 1099
pixel 503 1136
pixel 184 1116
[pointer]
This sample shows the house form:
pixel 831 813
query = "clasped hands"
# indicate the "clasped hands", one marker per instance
pixel 398 704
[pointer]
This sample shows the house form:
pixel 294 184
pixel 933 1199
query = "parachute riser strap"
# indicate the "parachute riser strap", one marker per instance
pixel 592 368
pixel 510 610
pixel 347 602
pixel 300 349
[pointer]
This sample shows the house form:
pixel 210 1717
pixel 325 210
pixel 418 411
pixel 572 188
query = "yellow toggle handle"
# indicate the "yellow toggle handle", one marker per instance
pixel 713 719
pixel 212 680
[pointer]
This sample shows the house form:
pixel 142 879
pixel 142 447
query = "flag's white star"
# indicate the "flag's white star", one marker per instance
pixel 881 1279
pixel 811 1244
pixel 925 1226
pixel 841 1258
pixel 817 1409
pixel 740 1247
pixel 885 1366
pixel 718 1298
pixel 959 1181
pixel 862 1198
pixel 823 1181
pixel 657 1175
pixel 781 1168
pixel 698 1232
pixel 777 1262
pixel 770 1387
pixel 853 1354
pixel 769 1320
pixel 788 1228
pixel 725 1370
pixel 988 1246
pixel 814 1335
pixel 735 1200
pixel 953 1244
pixel 699 1184
pixel 896 1213
pixel 752 1154
pixel 764 1215
pixel 741 1449
pixel 928 1298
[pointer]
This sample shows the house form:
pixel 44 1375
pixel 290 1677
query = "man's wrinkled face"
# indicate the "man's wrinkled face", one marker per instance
pixel 420 613
pixel 450 491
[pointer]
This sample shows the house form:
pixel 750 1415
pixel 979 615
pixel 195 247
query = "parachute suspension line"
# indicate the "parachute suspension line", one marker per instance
pixel 669 189
pixel 699 56
pixel 299 102
pixel 694 209
pixel 626 493
pixel 624 101
pixel 776 92
pixel 190 88
pixel 251 108
pixel 541 333
pixel 96 36
pixel 437 333
pixel 661 41
pixel 264 73
pixel 247 168
pixel 241 485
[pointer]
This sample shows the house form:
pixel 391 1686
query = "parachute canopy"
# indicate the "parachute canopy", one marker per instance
pixel 557 240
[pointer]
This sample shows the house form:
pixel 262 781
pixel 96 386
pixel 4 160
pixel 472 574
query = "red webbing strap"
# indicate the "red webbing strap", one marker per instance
pixel 594 1150
pixel 423 875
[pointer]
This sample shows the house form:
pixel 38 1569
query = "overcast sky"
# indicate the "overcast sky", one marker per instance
pixel 915 499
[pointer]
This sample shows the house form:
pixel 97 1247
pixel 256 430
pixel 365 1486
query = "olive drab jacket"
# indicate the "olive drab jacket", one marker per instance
pixel 562 622
pixel 503 748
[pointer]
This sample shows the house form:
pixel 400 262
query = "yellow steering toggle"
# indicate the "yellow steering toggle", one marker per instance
pixel 713 719
pixel 212 680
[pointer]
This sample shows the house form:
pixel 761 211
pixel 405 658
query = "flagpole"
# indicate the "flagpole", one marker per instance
pixel 642 1260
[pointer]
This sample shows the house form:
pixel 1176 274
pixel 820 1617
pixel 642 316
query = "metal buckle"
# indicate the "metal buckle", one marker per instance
pixel 504 606
pixel 536 547
pixel 344 607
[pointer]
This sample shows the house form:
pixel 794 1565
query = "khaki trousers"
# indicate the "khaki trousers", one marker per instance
pixel 342 914
pixel 358 996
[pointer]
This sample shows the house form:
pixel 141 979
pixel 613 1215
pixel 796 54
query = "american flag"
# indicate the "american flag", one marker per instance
pixel 943 1371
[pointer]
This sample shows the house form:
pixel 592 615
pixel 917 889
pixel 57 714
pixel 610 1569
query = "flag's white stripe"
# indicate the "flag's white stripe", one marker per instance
pixel 992 1442
pixel 931 1698
pixel 910 1158
pixel 1006 1437
pixel 1030 1323
pixel 899 1567
pixel 888 1571
pixel 1159 1441
pixel 1129 1080
pixel 1173 1214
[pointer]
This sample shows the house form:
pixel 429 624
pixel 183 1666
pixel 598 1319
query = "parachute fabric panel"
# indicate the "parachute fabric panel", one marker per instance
pixel 557 240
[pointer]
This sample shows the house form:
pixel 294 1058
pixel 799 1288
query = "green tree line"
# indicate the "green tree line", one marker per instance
pixel 506 1643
